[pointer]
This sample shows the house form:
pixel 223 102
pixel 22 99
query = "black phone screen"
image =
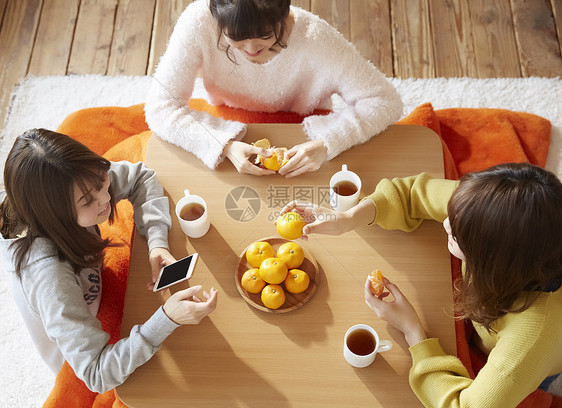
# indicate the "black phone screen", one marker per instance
pixel 174 272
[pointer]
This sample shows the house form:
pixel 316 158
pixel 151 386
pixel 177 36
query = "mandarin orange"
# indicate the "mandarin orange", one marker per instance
pixel 290 225
pixel 259 251
pixel 252 281
pixel 273 296
pixel 273 270
pixel 297 281
pixel 292 254
pixel 377 285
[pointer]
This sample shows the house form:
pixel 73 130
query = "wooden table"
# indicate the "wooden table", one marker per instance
pixel 243 357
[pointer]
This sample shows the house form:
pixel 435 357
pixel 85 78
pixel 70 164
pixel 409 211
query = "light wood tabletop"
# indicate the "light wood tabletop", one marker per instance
pixel 240 356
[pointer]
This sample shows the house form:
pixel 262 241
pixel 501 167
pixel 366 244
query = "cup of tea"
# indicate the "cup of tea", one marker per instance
pixel 345 186
pixel 361 344
pixel 193 216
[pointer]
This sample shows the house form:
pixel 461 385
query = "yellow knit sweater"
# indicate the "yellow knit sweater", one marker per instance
pixel 524 348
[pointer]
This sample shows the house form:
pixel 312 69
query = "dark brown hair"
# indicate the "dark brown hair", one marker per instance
pixel 246 19
pixel 41 171
pixel 507 222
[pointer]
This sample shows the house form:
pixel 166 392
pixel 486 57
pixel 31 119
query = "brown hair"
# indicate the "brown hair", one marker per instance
pixel 507 222
pixel 246 19
pixel 41 171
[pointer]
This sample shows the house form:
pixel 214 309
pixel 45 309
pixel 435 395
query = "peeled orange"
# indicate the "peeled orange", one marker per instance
pixel 252 281
pixel 377 285
pixel 290 225
pixel 276 160
pixel 297 281
pixel 273 296
pixel 273 270
pixel 258 252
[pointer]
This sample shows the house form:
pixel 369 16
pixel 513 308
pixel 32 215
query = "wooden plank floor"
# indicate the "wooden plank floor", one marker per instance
pixel 404 38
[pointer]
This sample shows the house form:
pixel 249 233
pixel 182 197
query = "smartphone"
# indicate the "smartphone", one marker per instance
pixel 177 272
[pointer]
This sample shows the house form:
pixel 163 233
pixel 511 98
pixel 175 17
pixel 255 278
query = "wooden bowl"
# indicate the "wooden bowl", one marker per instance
pixel 292 300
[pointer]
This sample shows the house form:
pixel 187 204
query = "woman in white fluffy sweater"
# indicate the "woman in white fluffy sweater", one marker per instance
pixel 265 55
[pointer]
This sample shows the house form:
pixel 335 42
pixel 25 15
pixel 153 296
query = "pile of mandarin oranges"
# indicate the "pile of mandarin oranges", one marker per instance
pixel 271 272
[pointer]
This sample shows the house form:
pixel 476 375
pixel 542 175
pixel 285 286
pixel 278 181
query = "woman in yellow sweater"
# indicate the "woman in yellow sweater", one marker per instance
pixel 504 223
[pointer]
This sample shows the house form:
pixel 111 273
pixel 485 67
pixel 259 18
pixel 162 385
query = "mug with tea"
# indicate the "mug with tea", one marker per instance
pixel 345 187
pixel 192 214
pixel 361 344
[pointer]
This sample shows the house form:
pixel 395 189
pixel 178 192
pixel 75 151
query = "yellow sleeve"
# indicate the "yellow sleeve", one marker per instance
pixel 403 203
pixel 440 380
pixel 525 354
pixel 434 375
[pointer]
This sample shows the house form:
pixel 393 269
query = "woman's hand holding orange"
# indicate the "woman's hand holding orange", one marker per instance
pixel 239 154
pixel 399 313
pixel 318 219
pixel 321 220
pixel 303 158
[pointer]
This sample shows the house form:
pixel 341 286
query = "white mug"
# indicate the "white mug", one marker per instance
pixel 361 344
pixel 348 180
pixel 195 221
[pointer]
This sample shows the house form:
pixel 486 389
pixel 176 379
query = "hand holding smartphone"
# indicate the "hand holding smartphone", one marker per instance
pixel 176 272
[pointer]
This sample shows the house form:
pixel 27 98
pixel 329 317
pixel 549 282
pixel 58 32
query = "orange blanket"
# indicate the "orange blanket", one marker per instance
pixel 473 139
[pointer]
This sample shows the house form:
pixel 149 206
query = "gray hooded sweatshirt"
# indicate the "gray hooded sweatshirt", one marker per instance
pixel 59 307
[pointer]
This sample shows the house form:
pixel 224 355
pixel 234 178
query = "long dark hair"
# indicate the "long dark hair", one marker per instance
pixel 507 222
pixel 41 171
pixel 245 19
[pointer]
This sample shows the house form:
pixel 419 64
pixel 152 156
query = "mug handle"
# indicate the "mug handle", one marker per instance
pixel 344 167
pixel 186 193
pixel 384 345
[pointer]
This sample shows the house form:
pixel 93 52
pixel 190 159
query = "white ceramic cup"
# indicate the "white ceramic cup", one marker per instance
pixel 198 227
pixel 344 202
pixel 364 360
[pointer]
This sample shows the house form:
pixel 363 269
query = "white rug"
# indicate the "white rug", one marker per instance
pixel 46 101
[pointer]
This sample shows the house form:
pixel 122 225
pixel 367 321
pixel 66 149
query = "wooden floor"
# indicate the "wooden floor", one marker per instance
pixel 404 38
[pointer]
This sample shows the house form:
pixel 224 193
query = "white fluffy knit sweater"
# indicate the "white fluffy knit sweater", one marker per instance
pixel 317 62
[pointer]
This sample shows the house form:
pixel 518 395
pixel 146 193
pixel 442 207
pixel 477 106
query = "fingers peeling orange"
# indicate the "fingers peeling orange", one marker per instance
pixel 276 160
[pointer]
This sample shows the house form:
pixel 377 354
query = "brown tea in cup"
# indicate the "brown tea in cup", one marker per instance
pixel 192 211
pixel 345 188
pixel 361 342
